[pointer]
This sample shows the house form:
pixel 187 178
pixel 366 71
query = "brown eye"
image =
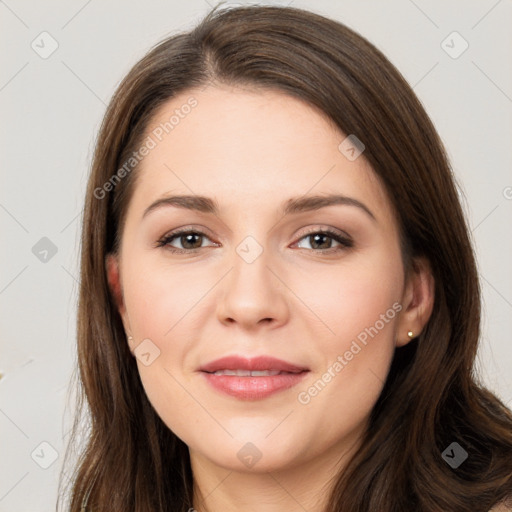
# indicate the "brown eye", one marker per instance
pixel 320 241
pixel 190 241
pixel 323 240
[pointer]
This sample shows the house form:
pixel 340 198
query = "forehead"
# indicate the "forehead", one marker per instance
pixel 249 148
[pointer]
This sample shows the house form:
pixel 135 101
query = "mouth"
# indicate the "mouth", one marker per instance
pixel 252 379
pixel 253 373
pixel 237 363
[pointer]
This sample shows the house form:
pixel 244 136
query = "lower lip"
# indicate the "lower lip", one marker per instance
pixel 253 388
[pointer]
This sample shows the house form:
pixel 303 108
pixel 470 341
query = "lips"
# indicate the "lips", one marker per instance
pixel 252 379
pixel 261 363
pixel 249 373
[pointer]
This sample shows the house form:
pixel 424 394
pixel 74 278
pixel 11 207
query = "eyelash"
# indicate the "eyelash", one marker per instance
pixel 345 242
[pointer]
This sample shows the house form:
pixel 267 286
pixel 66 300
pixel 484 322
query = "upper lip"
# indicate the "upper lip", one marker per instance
pixel 235 362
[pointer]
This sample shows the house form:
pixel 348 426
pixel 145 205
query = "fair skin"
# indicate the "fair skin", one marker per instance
pixel 300 301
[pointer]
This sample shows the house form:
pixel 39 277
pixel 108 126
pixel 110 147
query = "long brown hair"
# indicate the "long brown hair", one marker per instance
pixel 432 398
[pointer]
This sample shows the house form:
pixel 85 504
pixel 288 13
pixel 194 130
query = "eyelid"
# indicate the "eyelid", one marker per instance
pixel 327 229
pixel 188 228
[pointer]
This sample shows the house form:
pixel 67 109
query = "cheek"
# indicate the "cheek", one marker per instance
pixel 360 307
pixel 162 303
pixel 159 300
pixel 168 306
pixel 352 297
pixel 356 304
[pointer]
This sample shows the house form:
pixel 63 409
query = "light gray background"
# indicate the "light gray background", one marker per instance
pixel 51 110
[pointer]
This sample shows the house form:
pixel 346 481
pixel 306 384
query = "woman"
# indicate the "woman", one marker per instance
pixel 279 304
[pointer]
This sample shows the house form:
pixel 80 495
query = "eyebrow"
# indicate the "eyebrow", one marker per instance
pixel 292 206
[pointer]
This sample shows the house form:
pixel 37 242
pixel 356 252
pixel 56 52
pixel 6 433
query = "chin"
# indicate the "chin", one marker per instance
pixel 246 453
pixel 248 458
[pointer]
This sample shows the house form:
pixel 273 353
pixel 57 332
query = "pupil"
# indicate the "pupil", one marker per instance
pixel 187 238
pixel 320 236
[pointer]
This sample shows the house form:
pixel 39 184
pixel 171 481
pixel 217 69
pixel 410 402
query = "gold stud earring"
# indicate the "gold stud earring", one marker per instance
pixel 410 334
pixel 130 342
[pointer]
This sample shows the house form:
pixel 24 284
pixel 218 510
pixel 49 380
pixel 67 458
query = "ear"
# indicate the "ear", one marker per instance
pixel 417 301
pixel 116 288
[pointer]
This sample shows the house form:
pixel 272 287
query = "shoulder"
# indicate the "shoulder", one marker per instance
pixel 504 506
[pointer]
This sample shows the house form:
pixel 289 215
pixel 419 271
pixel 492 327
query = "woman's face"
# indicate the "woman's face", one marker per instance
pixel 258 278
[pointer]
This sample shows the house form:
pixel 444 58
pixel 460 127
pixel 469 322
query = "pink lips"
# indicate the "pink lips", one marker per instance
pixel 252 387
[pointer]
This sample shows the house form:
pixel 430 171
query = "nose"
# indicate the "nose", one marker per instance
pixel 253 294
